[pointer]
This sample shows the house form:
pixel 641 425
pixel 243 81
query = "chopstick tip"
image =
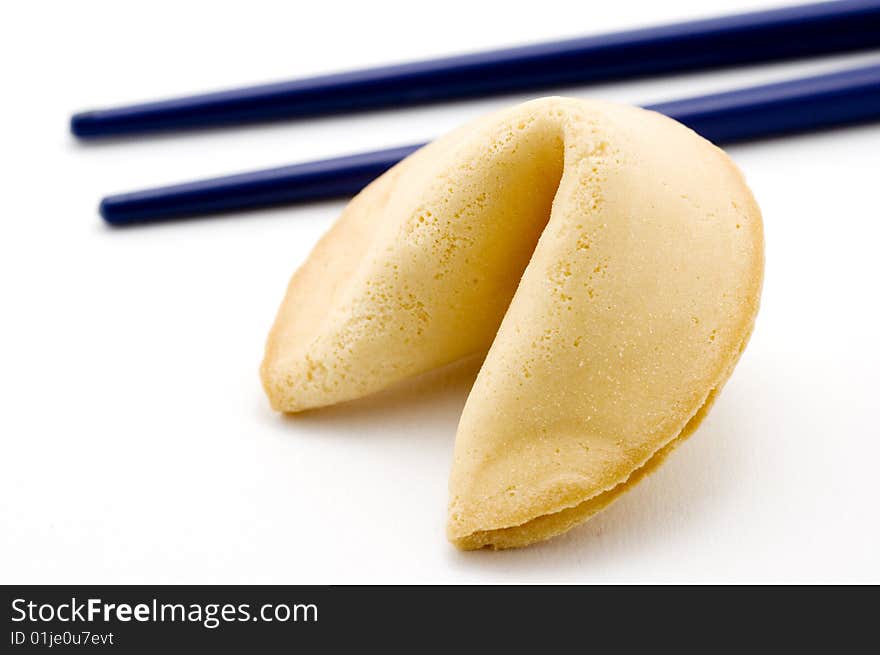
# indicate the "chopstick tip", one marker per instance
pixel 107 212
pixel 81 125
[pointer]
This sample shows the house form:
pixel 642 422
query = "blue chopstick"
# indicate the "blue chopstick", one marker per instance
pixel 846 97
pixel 806 30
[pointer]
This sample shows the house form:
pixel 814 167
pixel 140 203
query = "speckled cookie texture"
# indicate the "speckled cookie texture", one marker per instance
pixel 608 258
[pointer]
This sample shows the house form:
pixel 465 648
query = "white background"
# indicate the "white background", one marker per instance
pixel 137 445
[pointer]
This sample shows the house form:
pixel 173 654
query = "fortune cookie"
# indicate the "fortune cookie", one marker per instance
pixel 609 259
